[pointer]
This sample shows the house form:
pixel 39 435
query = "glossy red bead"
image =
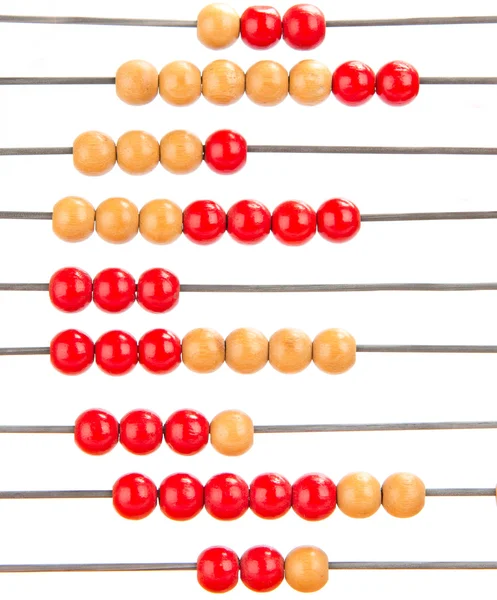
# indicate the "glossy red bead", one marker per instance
pixel 114 290
pixel 134 496
pixel 293 223
pixel 204 221
pixel 186 432
pixel 159 351
pixel 260 27
pixel 397 83
pixel 314 497
pixel 217 569
pixel 96 432
pixel 338 220
pixel 262 568
pixel 226 496
pixel 270 496
pixel 70 289
pixel 225 152
pixel 304 27
pixel 353 83
pixel 71 352
pixel 249 222
pixel 141 431
pixel 157 290
pixel 116 352
pixel 181 496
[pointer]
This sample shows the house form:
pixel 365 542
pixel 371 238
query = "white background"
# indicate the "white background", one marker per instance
pixel 379 388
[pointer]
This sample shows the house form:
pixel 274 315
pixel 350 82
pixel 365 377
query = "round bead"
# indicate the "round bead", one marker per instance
pixel 141 432
pixel 226 497
pixel 304 27
pixel 260 27
pixel 218 26
pixel 137 152
pixel 334 351
pixel 96 432
pixel 73 219
pixel 116 352
pixel 159 351
pixel 180 83
pixel 247 350
pixel 290 350
pixel 181 496
pixel 134 496
pixel 270 496
pixel 181 152
pixel 353 83
pixel 217 569
pixel 248 222
pixel 158 290
pixel 306 569
pixel 113 290
pixel 338 220
pixel 225 152
pixel 223 82
pixel 310 82
pixel 71 352
pixel 262 569
pixel 117 220
pixel 137 82
pixel 397 83
pixel 266 83
pixel 314 497
pixel 94 153
pixel 186 432
pixel 203 350
pixel 293 223
pixel 403 495
pixel 232 433
pixel 161 221
pixel 70 289
pixel 358 495
pixel 204 222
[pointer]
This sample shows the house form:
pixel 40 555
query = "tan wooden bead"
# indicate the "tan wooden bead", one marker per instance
pixel 137 82
pixel 403 495
pixel 181 152
pixel 310 82
pixel 247 350
pixel 232 433
pixel 117 220
pixel 334 351
pixel 266 83
pixel 161 221
pixel 306 569
pixel 180 83
pixel 137 152
pixel 223 82
pixel 73 219
pixel 358 495
pixel 218 26
pixel 93 153
pixel 290 350
pixel 203 350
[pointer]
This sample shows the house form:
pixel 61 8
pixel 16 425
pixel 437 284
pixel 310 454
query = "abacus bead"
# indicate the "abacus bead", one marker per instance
pixel 247 350
pixel 353 83
pixel 270 496
pixel 314 497
pixel 290 350
pixel 117 220
pixel 266 83
pixel 159 351
pixel 186 432
pixel 134 496
pixel 94 153
pixel 306 569
pixel 262 569
pixel 338 220
pixel 203 350
pixel 71 352
pixel 73 219
pixel 181 152
pixel 204 221
pixel 113 290
pixel 232 433
pixel 140 432
pixel 181 497
pixel 358 495
pixel 334 351
pixel 217 569
pixel 161 221
pixel 70 289
pixel 137 82
pixel 403 495
pixel 96 432
pixel 225 152
pixel 158 290
pixel 310 82
pixel 137 152
pixel 397 83
pixel 293 223
pixel 116 352
pixel 260 27
pixel 218 26
pixel 223 82
pixel 304 27
pixel 226 497
pixel 180 83
pixel 248 222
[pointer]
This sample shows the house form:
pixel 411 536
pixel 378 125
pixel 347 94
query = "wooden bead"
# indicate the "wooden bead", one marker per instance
pixel 290 350
pixel 232 433
pixel 73 219
pixel 306 569
pixel 93 153
pixel 310 82
pixel 180 83
pixel 117 220
pixel 247 350
pixel 137 152
pixel 203 350
pixel 181 152
pixel 358 495
pixel 161 221
pixel 223 82
pixel 334 351
pixel 218 26
pixel 137 82
pixel 403 495
pixel 266 83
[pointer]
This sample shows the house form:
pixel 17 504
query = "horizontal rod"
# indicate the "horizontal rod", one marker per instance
pixel 24 351
pixel 34 151
pixel 36 216
pixel 459 492
pixel 411 566
pixel 413 21
pixel 458 80
pixel 274 149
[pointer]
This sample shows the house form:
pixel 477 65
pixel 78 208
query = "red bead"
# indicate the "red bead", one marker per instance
pixel 159 351
pixel 226 496
pixel 249 222
pixel 70 289
pixel 186 432
pixel 96 432
pixel 71 352
pixel 141 432
pixel 262 569
pixel 260 27
pixel 314 497
pixel 204 222
pixel 181 496
pixel 353 83
pixel 134 496
pixel 113 290
pixel 397 83
pixel 293 223
pixel 304 27
pixel 158 290
pixel 116 352
pixel 225 152
pixel 270 496
pixel 217 569
pixel 338 220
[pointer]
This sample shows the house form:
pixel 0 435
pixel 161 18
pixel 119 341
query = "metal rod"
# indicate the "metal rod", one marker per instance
pixel 42 216
pixel 275 149
pixel 24 351
pixel 458 80
pixel 429 349
pixel 34 151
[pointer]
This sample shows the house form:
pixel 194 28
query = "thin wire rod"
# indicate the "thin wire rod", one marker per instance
pixel 460 492
pixel 34 151
pixel 42 216
pixel 458 80
pixel 36 428
pixel 411 566
pixel 24 351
